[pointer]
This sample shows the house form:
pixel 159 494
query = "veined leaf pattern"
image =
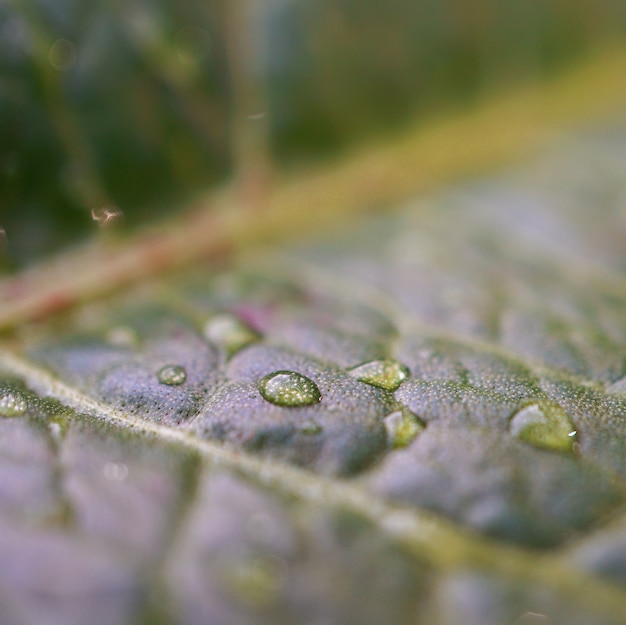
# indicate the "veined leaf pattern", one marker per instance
pixel 147 477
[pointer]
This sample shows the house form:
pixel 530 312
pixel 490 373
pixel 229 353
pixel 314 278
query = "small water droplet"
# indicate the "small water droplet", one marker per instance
pixel 62 55
pixel 115 471
pixel 122 336
pixel 387 374
pixel 310 428
pixel 12 404
pixel 229 332
pixel 288 388
pixel 172 375
pixel 402 427
pixel 55 430
pixel 546 425
pixel 258 581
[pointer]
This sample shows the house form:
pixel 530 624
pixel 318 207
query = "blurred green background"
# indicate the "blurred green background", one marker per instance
pixel 143 104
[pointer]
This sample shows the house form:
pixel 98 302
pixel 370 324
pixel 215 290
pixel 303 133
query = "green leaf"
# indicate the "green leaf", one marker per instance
pixel 133 496
pixel 265 411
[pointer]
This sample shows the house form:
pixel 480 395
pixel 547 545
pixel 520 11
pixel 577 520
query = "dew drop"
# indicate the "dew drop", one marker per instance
pixel 56 431
pixel 122 336
pixel 259 580
pixel 229 332
pixel 288 388
pixel 172 375
pixel 12 404
pixel 387 374
pixel 545 425
pixel 310 428
pixel 402 427
pixel 115 471
pixel 62 55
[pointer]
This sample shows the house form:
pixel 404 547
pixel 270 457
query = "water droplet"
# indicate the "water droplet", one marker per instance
pixel 402 427
pixel 387 374
pixel 122 336
pixel 172 375
pixel 12 404
pixel 546 425
pixel 229 332
pixel 259 580
pixel 310 428
pixel 62 55
pixel 115 471
pixel 56 430
pixel 288 388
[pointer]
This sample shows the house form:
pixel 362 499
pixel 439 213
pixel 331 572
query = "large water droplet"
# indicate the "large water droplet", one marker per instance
pixel 288 388
pixel 546 425
pixel 310 428
pixel 387 374
pixel 12 404
pixel 402 427
pixel 229 332
pixel 172 375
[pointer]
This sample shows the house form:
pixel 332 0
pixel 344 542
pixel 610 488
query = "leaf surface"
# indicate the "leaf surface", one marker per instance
pixel 475 473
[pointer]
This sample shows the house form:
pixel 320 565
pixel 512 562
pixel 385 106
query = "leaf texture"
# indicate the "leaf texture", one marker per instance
pixel 474 471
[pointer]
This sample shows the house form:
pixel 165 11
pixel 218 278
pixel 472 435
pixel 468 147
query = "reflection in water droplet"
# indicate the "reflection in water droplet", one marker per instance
pixel 288 388
pixel 229 332
pixel 259 580
pixel 310 428
pixel 12 404
pixel 546 425
pixel 387 374
pixel 62 55
pixel 402 427
pixel 172 375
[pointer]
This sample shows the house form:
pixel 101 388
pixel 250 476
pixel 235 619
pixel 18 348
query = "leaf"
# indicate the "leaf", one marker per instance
pixel 414 417
pixel 145 478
